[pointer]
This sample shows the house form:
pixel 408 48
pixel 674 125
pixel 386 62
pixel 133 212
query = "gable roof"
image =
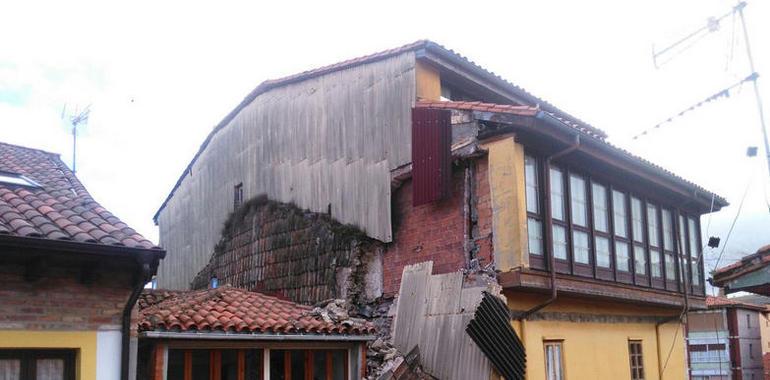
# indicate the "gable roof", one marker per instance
pixel 57 207
pixel 745 268
pixel 417 47
pixel 233 310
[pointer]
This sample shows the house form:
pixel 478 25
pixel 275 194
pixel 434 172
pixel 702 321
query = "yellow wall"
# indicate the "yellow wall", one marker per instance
pixel 428 82
pixel 84 341
pixel 594 350
pixel 509 214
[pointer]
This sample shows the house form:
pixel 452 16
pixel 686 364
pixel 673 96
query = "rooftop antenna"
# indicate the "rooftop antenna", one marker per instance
pixel 77 119
pixel 712 25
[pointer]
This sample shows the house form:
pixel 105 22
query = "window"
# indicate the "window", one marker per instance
pixel 599 194
pixel 637 219
pixel 748 321
pixel 553 360
pixel 640 262
pixel 603 252
pixel 534 223
pixel 581 247
pixel 695 252
pixel 559 242
pixel 654 240
pixel 635 359
pixel 579 202
pixel 557 194
pixel 37 364
pixel 237 196
pixel 622 256
pixel 304 364
pixel 619 214
pixel 708 353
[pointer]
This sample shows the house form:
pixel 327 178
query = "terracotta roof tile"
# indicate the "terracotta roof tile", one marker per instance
pixel 60 208
pixel 228 309
pixel 718 302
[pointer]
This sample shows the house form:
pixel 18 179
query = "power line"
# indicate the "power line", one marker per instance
pixel 732 225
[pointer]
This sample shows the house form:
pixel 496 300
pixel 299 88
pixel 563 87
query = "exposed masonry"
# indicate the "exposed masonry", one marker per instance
pixel 304 256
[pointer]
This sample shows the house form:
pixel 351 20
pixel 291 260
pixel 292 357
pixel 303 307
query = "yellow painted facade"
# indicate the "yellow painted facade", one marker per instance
pixel 428 82
pixel 509 209
pixel 599 350
pixel 83 341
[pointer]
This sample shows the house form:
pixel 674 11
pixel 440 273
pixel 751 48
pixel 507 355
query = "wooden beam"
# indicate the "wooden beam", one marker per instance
pixel 329 365
pixel 187 365
pixel 287 364
pixel 309 358
pixel 241 372
pixel 157 361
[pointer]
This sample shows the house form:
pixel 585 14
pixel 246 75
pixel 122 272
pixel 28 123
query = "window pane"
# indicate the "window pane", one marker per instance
pixel 655 263
pixel 637 219
pixel 278 364
pixel 200 364
pixel 603 252
pixel 175 364
pixel 696 276
pixel 10 369
pixel 557 194
pixel 621 256
pixel 553 361
pixel 319 364
pixel 599 196
pixel 683 233
pixel 640 262
pixel 49 369
pixel 297 364
pixel 694 239
pixel 670 267
pixel 668 231
pixel 253 364
pixel 530 173
pixel 535 234
pixel 652 225
pixel 338 364
pixel 580 247
pixel 559 242
pixel 619 213
pixel 578 196
pixel 229 368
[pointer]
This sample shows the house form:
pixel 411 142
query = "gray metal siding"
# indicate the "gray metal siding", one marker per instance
pixel 326 141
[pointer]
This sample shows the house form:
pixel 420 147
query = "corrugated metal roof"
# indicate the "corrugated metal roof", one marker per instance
pixel 491 329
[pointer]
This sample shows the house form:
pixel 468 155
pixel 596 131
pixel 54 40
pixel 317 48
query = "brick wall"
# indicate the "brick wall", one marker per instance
pixel 58 301
pixel 436 231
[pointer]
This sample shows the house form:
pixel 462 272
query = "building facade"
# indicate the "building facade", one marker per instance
pixel 433 159
pixel 71 272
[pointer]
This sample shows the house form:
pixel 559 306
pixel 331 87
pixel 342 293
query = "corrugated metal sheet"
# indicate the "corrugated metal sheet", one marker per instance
pixel 491 329
pixel 326 142
pixel 431 154
pixel 432 313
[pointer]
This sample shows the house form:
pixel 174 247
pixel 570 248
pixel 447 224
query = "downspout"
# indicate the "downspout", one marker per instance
pixel 685 306
pixel 547 227
pixel 141 276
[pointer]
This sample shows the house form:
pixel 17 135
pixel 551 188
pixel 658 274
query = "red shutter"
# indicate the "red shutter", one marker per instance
pixel 431 155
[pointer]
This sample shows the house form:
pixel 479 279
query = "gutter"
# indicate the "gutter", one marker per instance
pixel 257 337
pixel 148 265
pixel 548 229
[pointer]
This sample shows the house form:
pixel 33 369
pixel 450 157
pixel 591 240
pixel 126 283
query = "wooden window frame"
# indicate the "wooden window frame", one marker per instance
pixel 636 369
pixel 634 241
pixel 535 260
pixel 28 360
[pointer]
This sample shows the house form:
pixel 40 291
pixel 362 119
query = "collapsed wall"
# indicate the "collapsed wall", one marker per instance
pixel 307 257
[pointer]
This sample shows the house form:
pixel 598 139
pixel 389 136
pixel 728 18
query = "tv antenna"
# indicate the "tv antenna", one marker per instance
pixel 78 118
pixel 684 43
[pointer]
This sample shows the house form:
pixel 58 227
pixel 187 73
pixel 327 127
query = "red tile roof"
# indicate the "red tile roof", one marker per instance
pixel 60 208
pixel 228 309
pixel 719 302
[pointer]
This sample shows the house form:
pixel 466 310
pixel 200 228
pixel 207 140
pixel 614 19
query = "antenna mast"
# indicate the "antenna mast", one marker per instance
pixel 79 118
pixel 711 26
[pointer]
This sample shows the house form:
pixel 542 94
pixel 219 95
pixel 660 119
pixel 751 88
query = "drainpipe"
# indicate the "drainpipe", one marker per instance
pixel 141 276
pixel 547 225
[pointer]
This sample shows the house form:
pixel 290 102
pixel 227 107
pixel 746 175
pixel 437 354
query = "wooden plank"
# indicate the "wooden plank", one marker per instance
pixel 241 373
pixel 187 365
pixel 329 366
pixel 287 364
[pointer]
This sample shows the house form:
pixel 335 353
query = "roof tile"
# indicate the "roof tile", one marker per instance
pixel 229 309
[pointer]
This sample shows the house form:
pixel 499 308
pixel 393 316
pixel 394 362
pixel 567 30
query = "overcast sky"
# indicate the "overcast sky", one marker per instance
pixel 160 75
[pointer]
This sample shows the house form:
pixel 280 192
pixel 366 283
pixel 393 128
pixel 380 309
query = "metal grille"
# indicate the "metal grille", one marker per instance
pixel 491 329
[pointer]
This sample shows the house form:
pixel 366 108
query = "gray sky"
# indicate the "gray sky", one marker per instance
pixel 160 75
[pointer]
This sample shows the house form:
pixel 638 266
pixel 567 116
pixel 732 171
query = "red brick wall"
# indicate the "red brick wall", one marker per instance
pixel 435 231
pixel 59 302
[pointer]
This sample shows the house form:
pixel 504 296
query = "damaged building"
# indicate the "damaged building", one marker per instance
pixel 445 203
